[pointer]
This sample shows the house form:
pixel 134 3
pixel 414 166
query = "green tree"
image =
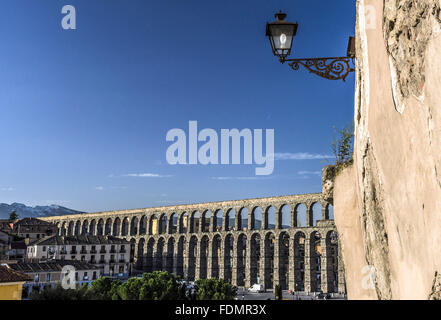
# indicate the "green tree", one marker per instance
pixel 159 285
pixel 131 289
pixel 58 293
pixel 103 289
pixel 343 144
pixel 215 289
pixel 13 216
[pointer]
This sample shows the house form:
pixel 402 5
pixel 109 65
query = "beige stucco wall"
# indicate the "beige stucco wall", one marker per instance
pixel 396 178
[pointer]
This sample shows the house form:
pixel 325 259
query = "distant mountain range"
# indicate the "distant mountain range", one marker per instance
pixel 24 211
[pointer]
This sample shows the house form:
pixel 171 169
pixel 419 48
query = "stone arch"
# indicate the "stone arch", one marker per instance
pixel 184 222
pixel 100 227
pixel 134 226
pixel 203 257
pixel 285 217
pixel 149 255
pixel 241 254
pixel 270 218
pixel 218 220
pixel 143 225
pixel 255 267
pixel 283 268
pixel 173 223
pixel 116 227
pixel 85 227
pixel 153 225
pixel 242 219
pixel 315 213
pixel 228 257
pixel 205 221
pixel 140 256
pixel 216 255
pixel 162 224
pixel 77 229
pixel 230 219
pixel 195 221
pixel 63 230
pixel 108 227
pixel 92 227
pixel 170 255
pixel 159 254
pixel 299 261
pixel 332 262
pixel 125 227
pixel 256 218
pixel 300 215
pixel 315 254
pixel 269 243
pixel 192 258
pixel 132 253
pixel 180 256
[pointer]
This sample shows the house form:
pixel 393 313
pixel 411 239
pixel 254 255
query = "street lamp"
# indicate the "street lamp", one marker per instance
pixel 281 34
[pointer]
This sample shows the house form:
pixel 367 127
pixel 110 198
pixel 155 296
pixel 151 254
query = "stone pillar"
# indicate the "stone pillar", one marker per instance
pixel 250 225
pixel 341 271
pixel 264 219
pixel 307 267
pixel 197 266
pixel 309 219
pixel 234 263
pixel 138 227
pixel 276 275
pixel 293 215
pixel 325 215
pixel 221 260
pixel 262 265
pixel 324 267
pixel 248 263
pixel 237 221
pixel 175 257
pixel 165 256
pixel 210 259
pixel 291 265
pixel 185 258
pixel 278 218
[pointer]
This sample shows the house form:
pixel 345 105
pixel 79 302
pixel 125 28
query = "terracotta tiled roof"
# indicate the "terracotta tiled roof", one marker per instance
pixel 9 275
pixel 79 240
pixel 51 266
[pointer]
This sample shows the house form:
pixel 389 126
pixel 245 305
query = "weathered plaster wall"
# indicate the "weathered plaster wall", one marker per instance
pixel 396 222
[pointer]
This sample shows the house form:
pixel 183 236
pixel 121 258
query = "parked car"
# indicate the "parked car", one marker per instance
pixel 256 288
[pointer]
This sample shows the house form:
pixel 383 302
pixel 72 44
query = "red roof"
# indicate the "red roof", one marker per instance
pixel 9 275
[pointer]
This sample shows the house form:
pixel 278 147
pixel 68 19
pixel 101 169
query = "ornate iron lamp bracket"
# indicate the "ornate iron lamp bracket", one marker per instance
pixel 337 68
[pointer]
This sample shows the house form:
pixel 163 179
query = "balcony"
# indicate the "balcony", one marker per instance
pixel 93 261
pixel 93 251
pixel 112 261
pixel 73 251
pixel 112 250
pixel 122 250
pixel 102 261
pixel 122 260
pixel 63 252
pixel 103 251
pixel 83 251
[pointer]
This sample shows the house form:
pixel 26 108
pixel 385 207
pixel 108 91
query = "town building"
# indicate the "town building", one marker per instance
pixel 11 283
pixel 45 274
pixel 33 229
pixel 110 254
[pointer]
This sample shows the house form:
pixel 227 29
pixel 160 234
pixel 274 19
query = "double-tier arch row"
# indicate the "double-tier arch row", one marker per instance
pixel 290 240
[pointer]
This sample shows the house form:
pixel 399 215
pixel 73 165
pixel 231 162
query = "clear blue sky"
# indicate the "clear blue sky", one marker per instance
pixel 80 110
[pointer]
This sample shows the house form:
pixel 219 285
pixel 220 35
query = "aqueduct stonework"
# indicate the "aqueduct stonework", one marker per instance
pixel 289 240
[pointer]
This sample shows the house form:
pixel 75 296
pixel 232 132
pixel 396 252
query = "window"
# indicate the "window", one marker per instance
pixel 37 278
pixel 85 276
pixel 83 258
pixel 73 258
pixel 48 277
pixel 121 269
pixel 44 248
pixel 94 275
pixel 76 276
